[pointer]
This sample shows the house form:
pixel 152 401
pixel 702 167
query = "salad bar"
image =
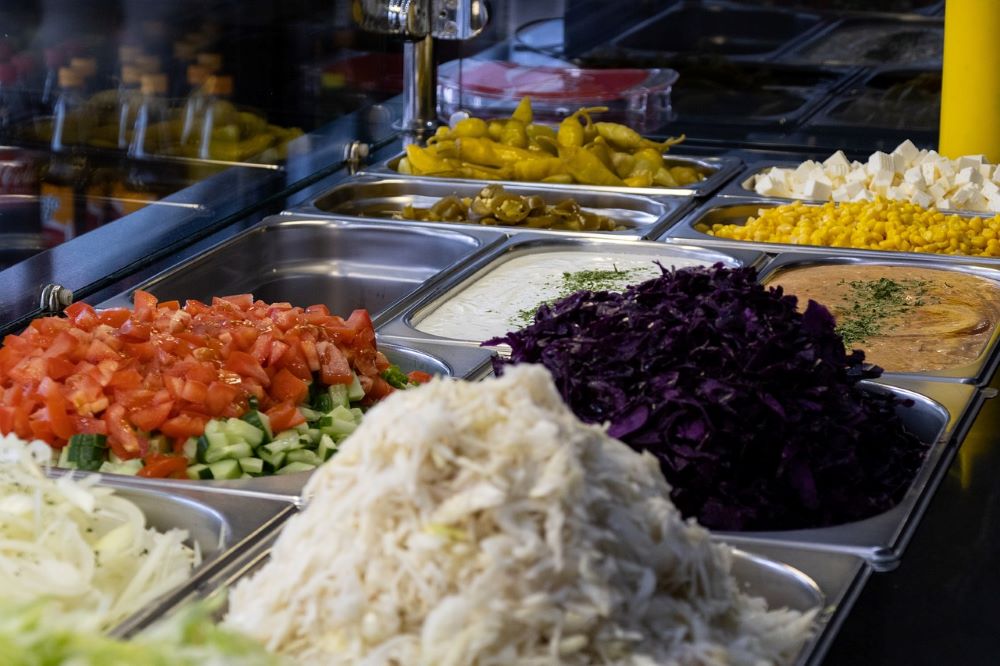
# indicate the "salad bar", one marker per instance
pixel 532 390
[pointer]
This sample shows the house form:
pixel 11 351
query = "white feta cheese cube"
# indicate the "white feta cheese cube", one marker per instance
pixel 986 171
pixel 898 162
pixel 993 203
pixel 937 190
pixel 907 151
pixel 942 203
pixel 989 188
pixel 929 171
pixel 883 179
pixel 879 161
pixel 863 195
pixel 818 188
pixel 838 159
pixel 914 176
pixel 966 161
pixel 962 195
pixel 764 185
pixel 947 169
pixel 840 194
pixel 996 174
pixel 837 172
pixel 978 203
pixel 857 176
pixel 968 175
pixel 921 198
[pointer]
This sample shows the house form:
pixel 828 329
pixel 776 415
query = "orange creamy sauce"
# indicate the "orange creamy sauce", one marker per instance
pixel 945 321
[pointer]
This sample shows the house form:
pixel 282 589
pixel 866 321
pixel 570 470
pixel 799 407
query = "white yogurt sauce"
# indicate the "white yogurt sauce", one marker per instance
pixel 493 304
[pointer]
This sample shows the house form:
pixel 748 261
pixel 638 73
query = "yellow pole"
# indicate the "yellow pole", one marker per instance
pixel 970 90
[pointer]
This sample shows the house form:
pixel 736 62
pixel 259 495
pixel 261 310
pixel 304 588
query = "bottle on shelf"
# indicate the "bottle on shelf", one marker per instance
pixel 13 106
pixel 70 125
pixel 87 67
pixel 185 55
pixel 219 126
pixel 65 178
pixel 212 62
pixel 193 113
pixel 151 132
pixel 54 59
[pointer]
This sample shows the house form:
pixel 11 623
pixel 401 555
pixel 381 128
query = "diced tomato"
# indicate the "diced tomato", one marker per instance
pixel 284 415
pixel 184 425
pixel 419 377
pixel 241 301
pixel 167 369
pixel 134 331
pixel 334 368
pixel 246 365
pixel 121 437
pixel 152 417
pixel 287 387
pixel 114 317
pixel 219 397
pixel 378 389
pixel 82 315
pixel 145 306
pixel 162 467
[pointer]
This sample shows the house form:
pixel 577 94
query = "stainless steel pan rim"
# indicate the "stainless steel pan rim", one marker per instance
pixel 405 325
pixel 643 216
pixel 881 539
pixel 978 372
pixel 720 170
pixel 685 231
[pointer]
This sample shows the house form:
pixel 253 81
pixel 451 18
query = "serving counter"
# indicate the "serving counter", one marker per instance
pixel 341 214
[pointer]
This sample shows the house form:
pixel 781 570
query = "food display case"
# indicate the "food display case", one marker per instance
pixel 378 157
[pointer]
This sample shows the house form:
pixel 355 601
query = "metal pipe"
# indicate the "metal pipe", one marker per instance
pixel 419 87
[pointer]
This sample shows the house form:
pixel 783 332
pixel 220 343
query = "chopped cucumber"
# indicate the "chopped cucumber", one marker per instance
pixel 310 414
pixel 304 456
pixel 323 402
pixel 199 472
pixel 261 421
pixel 252 465
pixel 226 469
pixel 355 391
pixel 338 396
pixel 272 460
pixel 238 430
pixel 229 451
pixel 87 451
pixel 295 467
pixel 129 467
pixel 191 448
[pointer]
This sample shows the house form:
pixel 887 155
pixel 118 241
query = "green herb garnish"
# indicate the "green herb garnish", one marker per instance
pixel 574 281
pixel 873 303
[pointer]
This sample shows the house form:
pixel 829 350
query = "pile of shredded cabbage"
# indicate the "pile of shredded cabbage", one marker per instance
pixel 78 545
pixel 484 524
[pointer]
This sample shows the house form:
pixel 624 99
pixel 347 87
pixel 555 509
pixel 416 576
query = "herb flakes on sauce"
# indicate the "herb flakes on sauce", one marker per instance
pixel 873 304
pixel 574 281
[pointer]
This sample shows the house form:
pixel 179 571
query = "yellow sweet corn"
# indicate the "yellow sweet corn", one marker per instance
pixel 872 225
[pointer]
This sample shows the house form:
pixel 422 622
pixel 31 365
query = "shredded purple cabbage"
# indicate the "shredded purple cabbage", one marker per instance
pixel 752 408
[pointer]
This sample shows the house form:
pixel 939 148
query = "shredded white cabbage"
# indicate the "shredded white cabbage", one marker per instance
pixel 80 545
pixel 484 524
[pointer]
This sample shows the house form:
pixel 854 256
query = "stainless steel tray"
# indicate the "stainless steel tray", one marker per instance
pixel 728 29
pixel 839 577
pixel 305 260
pixel 405 325
pixel 882 539
pixel 866 109
pixel 372 198
pixel 736 210
pixel 221 525
pixel 445 360
pixel 784 576
pixel 801 52
pixel 717 171
pixel 979 372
